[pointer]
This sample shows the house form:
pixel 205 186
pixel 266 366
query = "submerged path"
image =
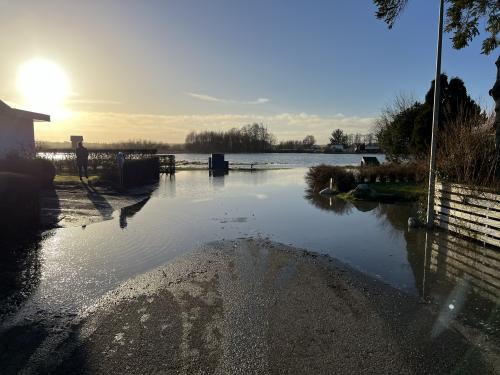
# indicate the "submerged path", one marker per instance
pixel 250 306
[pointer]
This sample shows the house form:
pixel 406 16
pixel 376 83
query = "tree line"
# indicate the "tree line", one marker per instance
pixel 339 137
pixel 250 138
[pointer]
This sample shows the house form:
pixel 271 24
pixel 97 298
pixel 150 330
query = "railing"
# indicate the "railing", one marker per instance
pixel 99 159
pixel 471 212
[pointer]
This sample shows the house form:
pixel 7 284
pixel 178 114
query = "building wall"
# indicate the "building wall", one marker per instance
pixel 16 135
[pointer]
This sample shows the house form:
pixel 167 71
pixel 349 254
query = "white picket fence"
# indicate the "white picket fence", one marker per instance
pixel 470 212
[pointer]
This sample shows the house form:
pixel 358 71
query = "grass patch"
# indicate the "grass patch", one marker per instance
pixel 66 179
pixel 409 191
pixel 392 192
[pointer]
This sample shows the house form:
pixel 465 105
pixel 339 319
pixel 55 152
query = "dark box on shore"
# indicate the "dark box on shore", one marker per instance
pixel 216 161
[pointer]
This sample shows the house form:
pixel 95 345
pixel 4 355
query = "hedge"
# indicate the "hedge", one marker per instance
pixel 141 172
pixel 19 202
pixel 318 177
pixel 42 171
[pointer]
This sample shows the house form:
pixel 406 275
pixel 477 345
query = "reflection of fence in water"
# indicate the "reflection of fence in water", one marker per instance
pixel 167 163
pixel 470 212
pixel 458 259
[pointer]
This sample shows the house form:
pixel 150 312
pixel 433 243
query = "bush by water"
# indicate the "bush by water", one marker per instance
pixel 42 171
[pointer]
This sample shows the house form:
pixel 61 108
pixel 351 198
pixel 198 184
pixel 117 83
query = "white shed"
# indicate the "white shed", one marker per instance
pixel 16 130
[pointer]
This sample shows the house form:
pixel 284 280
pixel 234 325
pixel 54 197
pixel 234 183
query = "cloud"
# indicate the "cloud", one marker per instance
pixel 114 126
pixel 94 101
pixel 209 98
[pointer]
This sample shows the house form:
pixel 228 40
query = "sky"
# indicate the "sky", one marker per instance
pixel 158 69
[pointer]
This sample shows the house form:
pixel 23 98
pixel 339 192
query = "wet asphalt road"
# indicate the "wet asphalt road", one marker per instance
pixel 249 307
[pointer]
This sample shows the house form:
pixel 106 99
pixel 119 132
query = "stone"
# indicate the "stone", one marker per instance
pixel 364 191
pixel 328 191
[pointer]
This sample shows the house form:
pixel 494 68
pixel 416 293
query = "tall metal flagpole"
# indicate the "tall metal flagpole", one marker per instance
pixel 435 122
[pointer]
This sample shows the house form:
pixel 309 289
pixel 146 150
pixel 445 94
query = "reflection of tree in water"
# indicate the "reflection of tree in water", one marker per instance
pixel 334 204
pixel 20 270
pixel 130 211
pixel 338 205
pixel 365 206
pixel 396 216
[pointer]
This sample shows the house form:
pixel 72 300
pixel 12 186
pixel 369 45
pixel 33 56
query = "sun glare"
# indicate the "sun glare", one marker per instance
pixel 44 86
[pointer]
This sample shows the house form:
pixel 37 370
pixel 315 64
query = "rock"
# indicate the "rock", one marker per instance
pixel 328 191
pixel 364 191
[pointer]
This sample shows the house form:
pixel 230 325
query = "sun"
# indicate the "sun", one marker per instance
pixel 44 86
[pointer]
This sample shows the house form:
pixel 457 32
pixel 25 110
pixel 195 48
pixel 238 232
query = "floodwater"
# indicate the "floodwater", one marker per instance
pixel 68 269
pixel 276 160
pixel 256 160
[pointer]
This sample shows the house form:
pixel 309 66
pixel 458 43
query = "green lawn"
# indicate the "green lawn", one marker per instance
pixel 64 179
pixel 402 190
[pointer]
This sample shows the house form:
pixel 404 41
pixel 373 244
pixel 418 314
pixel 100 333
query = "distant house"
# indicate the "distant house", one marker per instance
pixel 16 130
pixel 337 148
pixel 372 147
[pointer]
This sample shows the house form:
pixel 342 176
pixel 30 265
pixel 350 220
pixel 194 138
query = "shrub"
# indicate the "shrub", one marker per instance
pixel 19 202
pixel 318 178
pixel 468 155
pixel 140 172
pixel 43 171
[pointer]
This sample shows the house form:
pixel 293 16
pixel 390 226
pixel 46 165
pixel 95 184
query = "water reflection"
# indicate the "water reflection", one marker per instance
pixel 130 211
pixel 338 205
pixel 461 277
pixel 372 237
pixel 218 172
pixel 464 278
pixel 329 203
pixel 217 179
pixel 167 187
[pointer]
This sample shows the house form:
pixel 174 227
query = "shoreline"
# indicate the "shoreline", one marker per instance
pixel 250 305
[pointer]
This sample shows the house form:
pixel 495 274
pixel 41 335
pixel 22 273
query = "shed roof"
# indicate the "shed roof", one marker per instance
pixel 14 112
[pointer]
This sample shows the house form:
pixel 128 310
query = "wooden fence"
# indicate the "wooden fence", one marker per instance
pixel 472 213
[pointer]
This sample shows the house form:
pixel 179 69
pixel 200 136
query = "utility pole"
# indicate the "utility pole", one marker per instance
pixel 435 122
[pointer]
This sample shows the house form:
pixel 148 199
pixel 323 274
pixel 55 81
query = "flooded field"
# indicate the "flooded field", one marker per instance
pixel 242 160
pixel 68 269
